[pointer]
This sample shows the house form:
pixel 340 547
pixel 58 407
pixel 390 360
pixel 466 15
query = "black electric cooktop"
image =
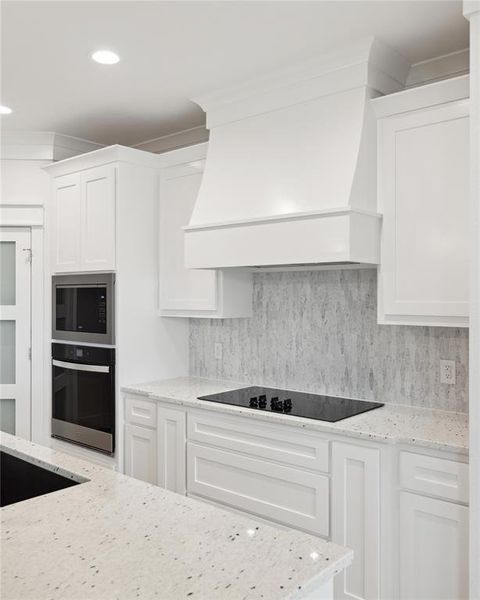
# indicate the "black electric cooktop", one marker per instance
pixel 298 404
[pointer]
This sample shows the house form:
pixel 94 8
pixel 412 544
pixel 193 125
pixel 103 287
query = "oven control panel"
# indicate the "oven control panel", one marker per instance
pixel 85 354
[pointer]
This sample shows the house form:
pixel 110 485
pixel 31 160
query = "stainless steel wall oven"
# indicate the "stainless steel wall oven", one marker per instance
pixel 83 395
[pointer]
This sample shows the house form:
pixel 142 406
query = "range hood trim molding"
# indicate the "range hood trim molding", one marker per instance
pixel 328 212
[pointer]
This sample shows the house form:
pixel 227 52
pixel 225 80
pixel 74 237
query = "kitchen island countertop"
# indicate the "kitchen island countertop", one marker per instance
pixel 114 537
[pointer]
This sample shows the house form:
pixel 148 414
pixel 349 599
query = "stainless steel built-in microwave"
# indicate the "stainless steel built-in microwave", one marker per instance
pixel 83 308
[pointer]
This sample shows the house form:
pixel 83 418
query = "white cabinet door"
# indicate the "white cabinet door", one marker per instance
pixel 65 226
pixel 172 449
pixel 433 549
pixel 181 289
pixel 356 518
pixel 141 453
pixel 192 292
pixel 423 194
pixel 98 219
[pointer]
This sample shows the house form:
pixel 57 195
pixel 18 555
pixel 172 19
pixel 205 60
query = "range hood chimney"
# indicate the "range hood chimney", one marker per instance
pixel 290 176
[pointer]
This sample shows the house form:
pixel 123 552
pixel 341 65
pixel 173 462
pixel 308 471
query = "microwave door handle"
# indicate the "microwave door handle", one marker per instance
pixel 80 367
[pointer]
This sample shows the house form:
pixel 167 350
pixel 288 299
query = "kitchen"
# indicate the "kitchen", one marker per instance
pixel 258 322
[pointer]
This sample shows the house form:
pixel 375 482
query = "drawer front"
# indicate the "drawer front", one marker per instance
pixel 292 497
pixel 283 444
pixel 140 412
pixel 436 476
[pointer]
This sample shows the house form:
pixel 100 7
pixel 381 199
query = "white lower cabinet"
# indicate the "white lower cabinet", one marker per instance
pixel 356 517
pixel 280 443
pixel 171 440
pixel 434 476
pixel 403 513
pixel 155 443
pixel 141 453
pixel 433 549
pixel 274 491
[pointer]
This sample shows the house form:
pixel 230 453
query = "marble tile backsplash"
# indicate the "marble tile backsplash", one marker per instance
pixel 317 331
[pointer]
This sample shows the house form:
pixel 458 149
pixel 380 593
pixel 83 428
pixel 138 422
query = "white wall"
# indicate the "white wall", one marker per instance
pixel 24 182
pixel 471 10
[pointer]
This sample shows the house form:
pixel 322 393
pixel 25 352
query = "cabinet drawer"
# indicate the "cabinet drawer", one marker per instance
pixel 280 443
pixel 290 496
pixel 436 476
pixel 140 412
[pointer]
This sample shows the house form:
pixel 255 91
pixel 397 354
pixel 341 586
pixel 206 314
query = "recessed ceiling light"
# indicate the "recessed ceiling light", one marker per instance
pixel 5 110
pixel 105 57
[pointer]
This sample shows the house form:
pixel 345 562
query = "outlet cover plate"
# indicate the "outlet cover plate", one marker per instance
pixel 447 371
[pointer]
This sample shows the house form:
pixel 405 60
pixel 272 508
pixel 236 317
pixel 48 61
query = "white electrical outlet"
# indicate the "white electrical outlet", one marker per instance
pixel 447 371
pixel 218 351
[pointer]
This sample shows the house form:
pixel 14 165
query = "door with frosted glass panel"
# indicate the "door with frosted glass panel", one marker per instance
pixel 15 331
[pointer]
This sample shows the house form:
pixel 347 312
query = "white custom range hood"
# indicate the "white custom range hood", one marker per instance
pixel 290 176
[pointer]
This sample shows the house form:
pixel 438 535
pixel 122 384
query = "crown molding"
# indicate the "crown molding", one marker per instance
pixel 192 156
pixel 103 156
pixel 175 141
pixel 438 68
pixel 447 90
pixel 471 8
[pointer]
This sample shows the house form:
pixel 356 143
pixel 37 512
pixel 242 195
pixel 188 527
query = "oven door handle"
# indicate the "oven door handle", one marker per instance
pixel 80 367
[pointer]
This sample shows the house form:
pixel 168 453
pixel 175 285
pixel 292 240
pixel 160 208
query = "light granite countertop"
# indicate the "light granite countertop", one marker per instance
pixel 113 537
pixel 391 423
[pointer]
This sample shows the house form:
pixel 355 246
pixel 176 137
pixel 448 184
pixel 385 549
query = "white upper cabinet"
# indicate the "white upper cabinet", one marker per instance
pixel 189 292
pixel 83 229
pixel 98 219
pixel 65 224
pixel 102 211
pixel 423 195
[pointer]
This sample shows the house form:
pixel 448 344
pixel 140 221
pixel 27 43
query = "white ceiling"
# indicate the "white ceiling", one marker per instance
pixel 172 51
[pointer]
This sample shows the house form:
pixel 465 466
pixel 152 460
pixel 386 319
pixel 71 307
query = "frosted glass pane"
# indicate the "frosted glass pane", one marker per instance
pixel 7 415
pixel 7 351
pixel 7 273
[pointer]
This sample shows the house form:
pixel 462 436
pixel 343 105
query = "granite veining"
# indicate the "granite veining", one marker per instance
pixel 317 331
pixel 114 537
pixel 391 423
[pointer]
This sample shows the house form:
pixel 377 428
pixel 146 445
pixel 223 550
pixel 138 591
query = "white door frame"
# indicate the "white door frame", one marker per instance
pixel 20 314
pixel 32 217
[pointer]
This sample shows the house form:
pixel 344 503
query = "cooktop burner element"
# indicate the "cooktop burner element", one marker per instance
pixel 299 404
